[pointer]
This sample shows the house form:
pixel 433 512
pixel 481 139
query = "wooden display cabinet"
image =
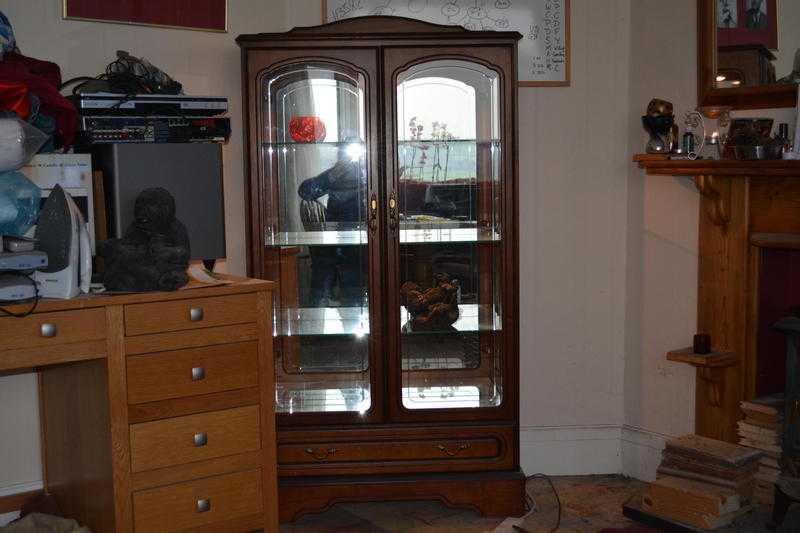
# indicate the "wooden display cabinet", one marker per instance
pixel 382 200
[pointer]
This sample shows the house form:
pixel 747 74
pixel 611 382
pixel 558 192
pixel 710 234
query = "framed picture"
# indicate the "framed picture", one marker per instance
pixel 202 15
pixel 747 22
pixel 544 51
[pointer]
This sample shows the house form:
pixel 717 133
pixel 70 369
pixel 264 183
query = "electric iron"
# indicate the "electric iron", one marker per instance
pixel 62 233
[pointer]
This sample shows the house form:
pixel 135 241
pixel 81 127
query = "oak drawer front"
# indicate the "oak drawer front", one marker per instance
pixel 198 503
pixel 389 451
pixel 177 315
pixel 49 329
pixel 187 439
pixel 191 372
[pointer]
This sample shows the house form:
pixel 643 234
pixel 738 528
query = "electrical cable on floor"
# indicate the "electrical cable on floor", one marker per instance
pixel 530 503
pixel 35 300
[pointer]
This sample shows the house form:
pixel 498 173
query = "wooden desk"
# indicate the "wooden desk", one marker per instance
pixel 156 409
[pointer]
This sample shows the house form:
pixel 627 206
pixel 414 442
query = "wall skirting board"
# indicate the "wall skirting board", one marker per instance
pixel 595 449
pixel 12 496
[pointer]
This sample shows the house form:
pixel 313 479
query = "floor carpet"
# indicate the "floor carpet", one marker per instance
pixel 590 504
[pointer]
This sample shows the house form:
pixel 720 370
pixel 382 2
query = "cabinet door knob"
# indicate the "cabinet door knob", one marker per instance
pixel 196 314
pixel 49 330
pixel 392 211
pixel 320 455
pixel 198 373
pixel 452 453
pixel 200 439
pixel 204 505
pixel 373 213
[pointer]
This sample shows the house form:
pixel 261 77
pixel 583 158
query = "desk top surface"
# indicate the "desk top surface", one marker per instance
pixel 236 285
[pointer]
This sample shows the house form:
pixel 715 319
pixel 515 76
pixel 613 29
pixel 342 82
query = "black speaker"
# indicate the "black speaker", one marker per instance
pixel 192 172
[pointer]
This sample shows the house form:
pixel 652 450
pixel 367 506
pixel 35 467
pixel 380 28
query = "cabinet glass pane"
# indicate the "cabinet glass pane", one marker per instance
pixel 450 185
pixel 314 161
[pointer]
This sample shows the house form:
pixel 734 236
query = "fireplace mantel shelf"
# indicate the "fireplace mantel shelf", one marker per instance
pixel 710 167
pixel 745 208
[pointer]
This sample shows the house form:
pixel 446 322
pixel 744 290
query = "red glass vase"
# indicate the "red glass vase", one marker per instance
pixel 307 129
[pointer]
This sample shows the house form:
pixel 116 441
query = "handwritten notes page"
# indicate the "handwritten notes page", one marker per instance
pixel 544 24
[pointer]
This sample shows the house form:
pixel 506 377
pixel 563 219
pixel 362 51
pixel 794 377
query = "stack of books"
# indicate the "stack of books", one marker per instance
pixel 702 482
pixel 762 429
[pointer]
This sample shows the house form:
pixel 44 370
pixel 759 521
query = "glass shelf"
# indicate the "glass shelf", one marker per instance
pixel 311 144
pixel 354 321
pixel 323 396
pixel 452 232
pixel 444 235
pixel 302 321
pixel 427 393
pixel 495 142
pixel 318 238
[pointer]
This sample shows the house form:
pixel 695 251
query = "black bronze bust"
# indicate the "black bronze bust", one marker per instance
pixel 153 254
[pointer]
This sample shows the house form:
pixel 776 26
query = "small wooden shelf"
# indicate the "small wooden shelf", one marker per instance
pixel 709 360
pixel 784 241
pixel 712 167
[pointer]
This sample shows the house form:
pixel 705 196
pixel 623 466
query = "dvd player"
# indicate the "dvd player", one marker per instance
pixel 110 130
pixel 149 104
pixel 22 261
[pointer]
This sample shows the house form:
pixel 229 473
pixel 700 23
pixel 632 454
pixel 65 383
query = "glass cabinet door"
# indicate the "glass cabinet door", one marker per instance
pixel 449 182
pixel 315 166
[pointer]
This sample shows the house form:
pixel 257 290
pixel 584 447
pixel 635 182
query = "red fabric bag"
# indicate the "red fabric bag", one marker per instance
pixel 43 79
pixel 14 97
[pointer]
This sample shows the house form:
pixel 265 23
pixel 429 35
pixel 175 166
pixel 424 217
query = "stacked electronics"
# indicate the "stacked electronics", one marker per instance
pixel 160 140
pixel 18 261
pixel 108 118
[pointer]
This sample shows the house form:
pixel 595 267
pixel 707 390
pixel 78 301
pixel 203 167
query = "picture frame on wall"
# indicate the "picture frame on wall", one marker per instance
pixel 543 52
pixel 747 22
pixel 199 15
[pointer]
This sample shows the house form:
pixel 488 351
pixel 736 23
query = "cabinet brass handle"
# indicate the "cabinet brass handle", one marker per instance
pixel 393 211
pixel 320 455
pixel 203 505
pixel 452 453
pixel 373 214
pixel 200 439
pixel 196 314
pixel 198 373
pixel 49 330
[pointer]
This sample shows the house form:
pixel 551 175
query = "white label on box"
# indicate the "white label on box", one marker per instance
pixel 67 170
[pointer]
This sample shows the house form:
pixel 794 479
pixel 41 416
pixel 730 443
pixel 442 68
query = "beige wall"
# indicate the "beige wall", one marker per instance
pixel 661 281
pixel 573 168
pixel 788 36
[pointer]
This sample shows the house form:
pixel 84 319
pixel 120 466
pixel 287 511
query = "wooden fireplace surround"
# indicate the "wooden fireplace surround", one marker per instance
pixel 745 207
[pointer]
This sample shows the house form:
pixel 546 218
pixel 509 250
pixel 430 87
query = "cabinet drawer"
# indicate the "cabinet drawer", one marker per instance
pixel 160 317
pixel 389 451
pixel 186 439
pixel 181 373
pixel 198 503
pixel 49 329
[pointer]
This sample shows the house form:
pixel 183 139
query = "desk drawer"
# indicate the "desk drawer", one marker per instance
pixel 187 439
pixel 181 373
pixel 177 315
pixel 50 329
pixel 198 503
